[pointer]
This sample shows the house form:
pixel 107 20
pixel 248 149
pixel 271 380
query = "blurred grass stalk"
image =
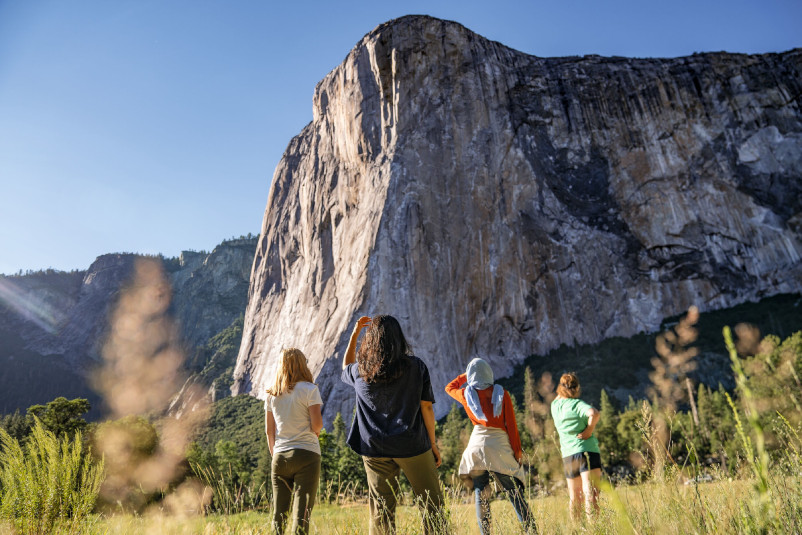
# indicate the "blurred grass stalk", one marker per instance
pixel 143 368
pixel 755 451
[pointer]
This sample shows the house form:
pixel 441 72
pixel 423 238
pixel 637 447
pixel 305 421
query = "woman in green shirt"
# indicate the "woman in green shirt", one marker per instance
pixel 575 421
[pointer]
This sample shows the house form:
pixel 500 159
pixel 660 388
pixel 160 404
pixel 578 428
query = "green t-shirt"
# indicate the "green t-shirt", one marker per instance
pixel 570 419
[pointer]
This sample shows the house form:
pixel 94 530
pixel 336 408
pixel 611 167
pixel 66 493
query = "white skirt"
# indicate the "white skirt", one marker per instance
pixel 489 449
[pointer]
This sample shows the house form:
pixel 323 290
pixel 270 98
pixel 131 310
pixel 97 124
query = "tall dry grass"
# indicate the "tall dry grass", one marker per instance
pixel 227 494
pixel 652 508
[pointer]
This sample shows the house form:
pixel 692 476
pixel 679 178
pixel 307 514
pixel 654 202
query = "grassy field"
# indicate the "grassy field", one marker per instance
pixel 752 434
pixel 664 508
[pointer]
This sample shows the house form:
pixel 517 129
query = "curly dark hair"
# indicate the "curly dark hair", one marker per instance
pixel 383 351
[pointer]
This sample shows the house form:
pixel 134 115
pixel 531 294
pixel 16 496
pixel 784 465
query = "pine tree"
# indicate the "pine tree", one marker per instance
pixel 328 465
pixel 349 467
pixel 526 438
pixel 231 461
pixel 530 399
pixel 16 425
pixel 261 475
pixel 606 431
pixel 450 440
pixel 629 439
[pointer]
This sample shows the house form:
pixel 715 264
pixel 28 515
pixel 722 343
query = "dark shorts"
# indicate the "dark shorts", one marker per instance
pixel 575 464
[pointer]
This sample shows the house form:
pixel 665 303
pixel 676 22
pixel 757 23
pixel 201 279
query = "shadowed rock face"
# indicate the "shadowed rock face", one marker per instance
pixel 75 318
pixel 211 289
pixel 500 204
pixel 208 293
pixel 61 319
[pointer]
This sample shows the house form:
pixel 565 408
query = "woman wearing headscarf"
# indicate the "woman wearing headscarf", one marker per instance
pixel 495 446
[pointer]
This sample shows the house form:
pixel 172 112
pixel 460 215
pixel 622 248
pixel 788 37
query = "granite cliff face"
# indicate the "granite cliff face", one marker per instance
pixel 500 204
pixel 53 325
pixel 211 289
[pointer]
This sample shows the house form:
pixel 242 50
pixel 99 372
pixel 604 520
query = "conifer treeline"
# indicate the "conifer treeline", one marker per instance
pixel 707 439
pixel 700 428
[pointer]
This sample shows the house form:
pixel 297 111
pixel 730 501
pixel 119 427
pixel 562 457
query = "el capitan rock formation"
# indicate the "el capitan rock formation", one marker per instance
pixel 501 204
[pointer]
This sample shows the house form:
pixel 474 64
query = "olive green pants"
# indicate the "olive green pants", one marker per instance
pixel 382 474
pixel 295 473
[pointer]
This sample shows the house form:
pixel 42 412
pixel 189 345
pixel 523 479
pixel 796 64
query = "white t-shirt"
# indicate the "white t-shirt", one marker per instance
pixel 291 413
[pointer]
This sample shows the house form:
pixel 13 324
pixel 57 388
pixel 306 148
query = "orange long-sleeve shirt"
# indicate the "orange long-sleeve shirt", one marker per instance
pixel 505 420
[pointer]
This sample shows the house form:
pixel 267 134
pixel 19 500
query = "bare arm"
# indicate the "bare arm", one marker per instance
pixel 350 353
pixel 315 419
pixel 593 418
pixel 270 429
pixel 428 420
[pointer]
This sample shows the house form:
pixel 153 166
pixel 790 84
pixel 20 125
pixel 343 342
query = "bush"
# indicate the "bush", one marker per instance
pixel 128 444
pixel 46 480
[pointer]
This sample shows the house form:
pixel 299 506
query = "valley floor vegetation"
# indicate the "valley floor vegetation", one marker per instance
pixel 686 458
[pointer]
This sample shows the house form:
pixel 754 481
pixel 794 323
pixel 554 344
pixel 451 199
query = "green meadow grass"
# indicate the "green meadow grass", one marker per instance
pixel 655 508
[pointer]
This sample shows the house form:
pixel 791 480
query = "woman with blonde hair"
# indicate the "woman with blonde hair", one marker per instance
pixel 575 421
pixel 293 422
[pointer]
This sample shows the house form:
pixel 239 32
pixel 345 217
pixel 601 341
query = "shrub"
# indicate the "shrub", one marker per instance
pixel 46 480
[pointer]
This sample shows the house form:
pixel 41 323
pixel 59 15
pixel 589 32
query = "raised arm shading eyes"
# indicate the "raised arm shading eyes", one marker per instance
pixel 350 353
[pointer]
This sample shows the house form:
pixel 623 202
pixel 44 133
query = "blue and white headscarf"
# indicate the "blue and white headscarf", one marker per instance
pixel 480 376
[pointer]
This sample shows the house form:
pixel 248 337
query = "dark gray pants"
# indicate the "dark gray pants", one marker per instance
pixel 382 473
pixel 295 473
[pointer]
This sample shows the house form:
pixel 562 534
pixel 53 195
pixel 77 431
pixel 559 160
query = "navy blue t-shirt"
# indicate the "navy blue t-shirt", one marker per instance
pixel 388 420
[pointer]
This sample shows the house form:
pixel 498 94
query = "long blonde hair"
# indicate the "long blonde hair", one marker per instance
pixel 291 369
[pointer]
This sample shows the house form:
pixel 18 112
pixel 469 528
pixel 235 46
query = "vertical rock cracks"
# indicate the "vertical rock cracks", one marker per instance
pixel 501 204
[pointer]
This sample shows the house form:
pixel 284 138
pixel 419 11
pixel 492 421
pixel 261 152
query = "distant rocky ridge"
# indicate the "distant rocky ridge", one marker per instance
pixel 501 204
pixel 53 324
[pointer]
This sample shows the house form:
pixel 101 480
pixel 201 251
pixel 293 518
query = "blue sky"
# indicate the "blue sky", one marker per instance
pixel 155 125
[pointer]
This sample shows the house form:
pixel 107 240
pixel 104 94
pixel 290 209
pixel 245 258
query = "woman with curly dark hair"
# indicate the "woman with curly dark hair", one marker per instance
pixel 393 426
